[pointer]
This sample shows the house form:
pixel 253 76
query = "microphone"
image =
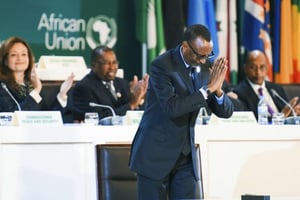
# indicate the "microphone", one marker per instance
pixel 4 86
pixel 110 120
pixel 295 118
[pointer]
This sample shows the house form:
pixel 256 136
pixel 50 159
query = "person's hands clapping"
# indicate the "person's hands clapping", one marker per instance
pixel 217 75
pixel 138 89
pixel 36 82
pixel 66 86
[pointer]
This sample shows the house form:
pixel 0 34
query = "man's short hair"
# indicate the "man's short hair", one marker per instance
pixel 196 30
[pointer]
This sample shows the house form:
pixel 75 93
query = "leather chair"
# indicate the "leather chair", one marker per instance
pixel 115 180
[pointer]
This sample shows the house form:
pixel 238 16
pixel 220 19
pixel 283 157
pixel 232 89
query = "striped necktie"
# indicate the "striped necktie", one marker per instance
pixel 108 85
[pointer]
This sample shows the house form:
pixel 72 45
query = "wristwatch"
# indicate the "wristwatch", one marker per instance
pixel 206 89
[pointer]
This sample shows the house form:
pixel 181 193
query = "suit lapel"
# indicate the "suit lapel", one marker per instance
pixel 201 77
pixel 182 70
pixel 101 87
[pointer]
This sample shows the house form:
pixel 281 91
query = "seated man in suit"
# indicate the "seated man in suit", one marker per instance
pixel 101 86
pixel 247 89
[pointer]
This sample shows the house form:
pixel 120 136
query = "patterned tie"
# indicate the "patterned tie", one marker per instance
pixel 261 93
pixel 109 87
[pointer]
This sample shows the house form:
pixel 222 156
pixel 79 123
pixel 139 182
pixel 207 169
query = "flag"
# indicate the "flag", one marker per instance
pixel 227 36
pixel 150 29
pixel 232 47
pixel 203 12
pixel 296 40
pixel 222 29
pixel 174 21
pixel 275 34
pixel 257 30
pixel 286 63
pixel 240 29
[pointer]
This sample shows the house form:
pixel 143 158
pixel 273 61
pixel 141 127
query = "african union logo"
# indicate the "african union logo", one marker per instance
pixel 101 30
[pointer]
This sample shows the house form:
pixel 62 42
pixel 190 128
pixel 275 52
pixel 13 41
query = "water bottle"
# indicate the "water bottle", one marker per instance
pixel 262 111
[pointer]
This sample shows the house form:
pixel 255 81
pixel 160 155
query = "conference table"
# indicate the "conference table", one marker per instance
pixel 59 162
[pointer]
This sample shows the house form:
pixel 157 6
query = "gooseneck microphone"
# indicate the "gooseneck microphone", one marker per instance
pixel 275 94
pixel 92 104
pixel 110 120
pixel 4 86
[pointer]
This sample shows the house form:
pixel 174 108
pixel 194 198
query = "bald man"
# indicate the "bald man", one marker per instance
pixel 247 90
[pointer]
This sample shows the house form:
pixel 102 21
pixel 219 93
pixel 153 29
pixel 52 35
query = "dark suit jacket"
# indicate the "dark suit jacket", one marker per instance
pixel 91 89
pixel 250 100
pixel 7 104
pixel 172 106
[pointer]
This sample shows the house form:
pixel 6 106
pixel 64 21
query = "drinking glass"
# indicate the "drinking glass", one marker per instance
pixel 278 119
pixel 91 118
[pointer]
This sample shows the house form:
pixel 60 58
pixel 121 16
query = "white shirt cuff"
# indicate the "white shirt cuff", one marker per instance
pixel 204 93
pixel 36 96
pixel 62 102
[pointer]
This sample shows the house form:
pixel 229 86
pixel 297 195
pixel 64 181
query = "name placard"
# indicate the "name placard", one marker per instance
pixel 58 68
pixel 37 118
pixel 238 117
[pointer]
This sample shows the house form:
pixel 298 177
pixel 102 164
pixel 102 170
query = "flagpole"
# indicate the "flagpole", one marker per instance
pixel 144 58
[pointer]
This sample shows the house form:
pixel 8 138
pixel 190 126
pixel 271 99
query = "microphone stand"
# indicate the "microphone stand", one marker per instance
pixel 110 120
pixel 296 120
pixel 4 86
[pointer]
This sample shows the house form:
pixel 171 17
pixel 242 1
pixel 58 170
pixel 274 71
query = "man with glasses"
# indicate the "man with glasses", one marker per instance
pixel 101 86
pixel 248 89
pixel 163 151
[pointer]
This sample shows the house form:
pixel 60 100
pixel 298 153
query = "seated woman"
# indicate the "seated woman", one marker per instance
pixel 20 86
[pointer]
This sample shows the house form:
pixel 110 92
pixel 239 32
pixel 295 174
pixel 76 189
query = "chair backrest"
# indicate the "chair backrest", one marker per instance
pixel 291 90
pixel 115 180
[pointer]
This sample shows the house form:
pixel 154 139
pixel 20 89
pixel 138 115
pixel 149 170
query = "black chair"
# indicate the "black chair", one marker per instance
pixel 115 180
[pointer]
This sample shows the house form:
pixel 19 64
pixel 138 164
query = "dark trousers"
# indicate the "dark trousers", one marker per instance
pixel 179 184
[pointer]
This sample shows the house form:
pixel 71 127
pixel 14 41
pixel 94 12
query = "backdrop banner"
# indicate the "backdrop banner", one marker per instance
pixel 74 27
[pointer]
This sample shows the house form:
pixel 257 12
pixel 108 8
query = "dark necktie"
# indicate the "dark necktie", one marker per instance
pixel 109 87
pixel 261 93
pixel 193 76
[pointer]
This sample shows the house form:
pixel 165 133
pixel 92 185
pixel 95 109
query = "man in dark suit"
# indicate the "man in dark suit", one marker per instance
pixel 163 150
pixel 247 90
pixel 101 86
